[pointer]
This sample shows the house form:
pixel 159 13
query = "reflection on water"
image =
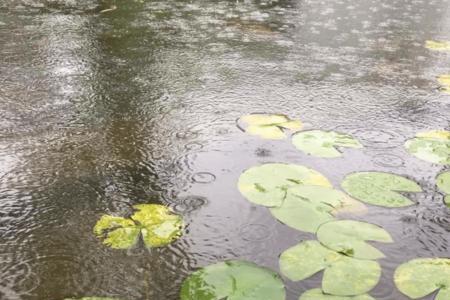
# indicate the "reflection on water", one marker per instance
pixel 101 111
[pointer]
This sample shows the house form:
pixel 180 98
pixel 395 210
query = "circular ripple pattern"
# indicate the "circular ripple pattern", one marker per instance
pixel 374 138
pixel 388 160
pixel 255 232
pixel 189 204
pixel 203 177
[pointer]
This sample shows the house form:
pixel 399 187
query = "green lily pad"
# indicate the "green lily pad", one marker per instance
pixel 155 223
pixel 443 182
pixel 317 294
pixel 343 275
pixel 432 146
pixel 267 184
pixel 380 188
pixel 421 277
pixel 269 126
pixel 323 143
pixel 306 207
pixel 438 46
pixel 349 237
pixel 233 280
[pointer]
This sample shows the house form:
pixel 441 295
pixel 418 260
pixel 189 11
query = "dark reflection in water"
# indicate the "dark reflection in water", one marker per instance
pixel 103 110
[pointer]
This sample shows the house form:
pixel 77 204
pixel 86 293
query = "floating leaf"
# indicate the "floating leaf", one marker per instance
pixel 421 277
pixel 267 184
pixel 432 146
pixel 317 294
pixel 349 237
pixel 157 225
pixel 444 80
pixel 306 207
pixel 443 182
pixel 323 143
pixel 343 275
pixel 380 188
pixel 233 280
pixel 439 46
pixel 269 126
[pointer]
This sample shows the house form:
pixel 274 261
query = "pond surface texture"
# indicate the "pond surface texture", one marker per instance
pixel 102 111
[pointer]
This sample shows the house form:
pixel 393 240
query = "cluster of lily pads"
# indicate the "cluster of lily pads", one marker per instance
pixel 304 199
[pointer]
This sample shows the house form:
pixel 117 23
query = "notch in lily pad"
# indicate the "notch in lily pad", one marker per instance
pixel 307 207
pixel 155 223
pixel 268 126
pixel 438 45
pixel 233 280
pixel 423 276
pixel 267 184
pixel 318 294
pixel 326 144
pixel 343 275
pixel 382 189
pixel 443 183
pixel 432 146
pixel 350 238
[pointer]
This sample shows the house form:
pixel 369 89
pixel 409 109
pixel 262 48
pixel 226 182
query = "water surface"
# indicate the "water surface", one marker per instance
pixel 103 110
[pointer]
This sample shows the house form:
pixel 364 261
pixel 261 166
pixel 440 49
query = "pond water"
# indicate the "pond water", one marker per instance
pixel 102 110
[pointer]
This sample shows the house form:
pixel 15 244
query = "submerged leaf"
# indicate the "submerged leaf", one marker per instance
pixel 421 277
pixel 349 238
pixel 323 143
pixel 233 280
pixel 159 226
pixel 380 188
pixel 156 223
pixel 343 275
pixel 432 146
pixel 267 184
pixel 269 126
pixel 120 233
pixel 437 45
pixel 317 294
pixel 306 207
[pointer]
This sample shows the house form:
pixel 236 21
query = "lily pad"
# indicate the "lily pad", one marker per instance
pixel 444 80
pixel 306 207
pixel 349 237
pixel 324 143
pixel 343 275
pixel 380 188
pixel 269 126
pixel 421 277
pixel 443 182
pixel 438 45
pixel 154 223
pixel 317 294
pixel 233 280
pixel 267 184
pixel 432 146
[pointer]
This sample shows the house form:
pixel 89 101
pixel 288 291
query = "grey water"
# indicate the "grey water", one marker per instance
pixel 107 104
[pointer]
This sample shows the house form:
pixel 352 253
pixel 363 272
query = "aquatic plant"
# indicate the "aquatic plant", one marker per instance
pixel 382 189
pixel 233 280
pixel 324 143
pixel 153 222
